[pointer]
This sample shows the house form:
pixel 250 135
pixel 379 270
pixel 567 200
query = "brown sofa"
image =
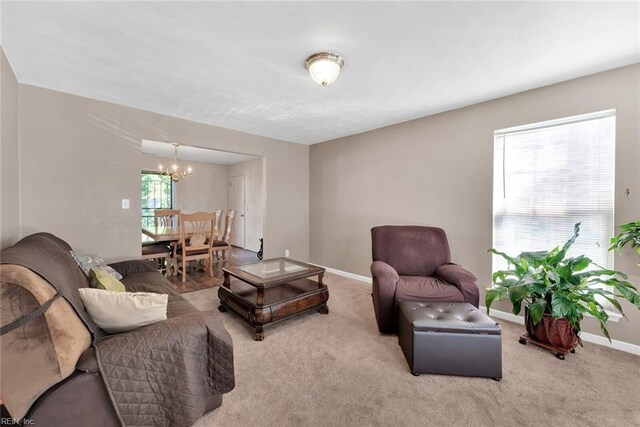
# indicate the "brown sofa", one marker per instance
pixel 413 263
pixel 59 368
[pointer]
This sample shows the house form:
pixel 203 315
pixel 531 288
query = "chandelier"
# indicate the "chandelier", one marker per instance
pixel 174 171
pixel 324 67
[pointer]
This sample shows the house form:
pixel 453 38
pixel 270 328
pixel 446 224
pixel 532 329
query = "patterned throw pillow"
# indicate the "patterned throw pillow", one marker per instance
pixel 87 262
pixel 100 279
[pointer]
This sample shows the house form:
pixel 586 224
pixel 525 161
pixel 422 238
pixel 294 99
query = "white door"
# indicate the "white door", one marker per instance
pixel 236 202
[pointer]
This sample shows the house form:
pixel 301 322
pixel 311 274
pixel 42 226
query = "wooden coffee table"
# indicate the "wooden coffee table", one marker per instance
pixel 272 290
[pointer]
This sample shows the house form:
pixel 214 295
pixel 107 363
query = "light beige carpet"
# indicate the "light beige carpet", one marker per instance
pixel 337 370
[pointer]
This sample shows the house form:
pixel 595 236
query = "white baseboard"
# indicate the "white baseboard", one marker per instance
pixel 618 345
pixel 347 274
pixel 503 315
pixel 586 336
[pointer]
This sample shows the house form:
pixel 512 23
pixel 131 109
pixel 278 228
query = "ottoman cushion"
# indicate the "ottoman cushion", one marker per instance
pixel 449 317
pixel 449 339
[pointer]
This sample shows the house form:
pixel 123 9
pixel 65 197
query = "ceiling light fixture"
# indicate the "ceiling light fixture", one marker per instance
pixel 324 67
pixel 174 172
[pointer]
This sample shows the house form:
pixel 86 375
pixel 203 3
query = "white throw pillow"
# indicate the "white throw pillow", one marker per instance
pixel 124 311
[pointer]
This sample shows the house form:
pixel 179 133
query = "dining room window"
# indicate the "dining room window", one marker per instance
pixel 157 193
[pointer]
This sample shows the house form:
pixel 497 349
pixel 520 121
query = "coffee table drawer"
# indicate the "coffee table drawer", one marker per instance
pixel 281 302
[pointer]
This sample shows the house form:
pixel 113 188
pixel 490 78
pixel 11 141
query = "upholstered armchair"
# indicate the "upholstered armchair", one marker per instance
pixel 414 263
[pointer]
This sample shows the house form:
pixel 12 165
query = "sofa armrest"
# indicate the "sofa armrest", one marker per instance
pixel 461 278
pixel 134 266
pixel 384 281
pixel 88 362
pixel 182 362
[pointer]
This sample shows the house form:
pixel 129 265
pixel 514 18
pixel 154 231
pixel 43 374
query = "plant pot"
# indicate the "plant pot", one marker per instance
pixel 556 332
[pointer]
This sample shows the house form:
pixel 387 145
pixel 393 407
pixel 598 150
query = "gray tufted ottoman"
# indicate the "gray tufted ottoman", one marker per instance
pixel 449 339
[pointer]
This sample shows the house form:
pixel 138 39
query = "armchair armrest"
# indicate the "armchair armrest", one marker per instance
pixel 134 266
pixel 385 278
pixel 463 279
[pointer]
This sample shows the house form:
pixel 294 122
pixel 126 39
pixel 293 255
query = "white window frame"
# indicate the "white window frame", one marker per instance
pixel 502 133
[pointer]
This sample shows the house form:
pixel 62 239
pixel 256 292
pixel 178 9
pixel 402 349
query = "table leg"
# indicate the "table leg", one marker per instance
pixel 258 335
pixel 174 259
pixel 169 266
pixel 323 309
pixel 226 283
pixel 260 297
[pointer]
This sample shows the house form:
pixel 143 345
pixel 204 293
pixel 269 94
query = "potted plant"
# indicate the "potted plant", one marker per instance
pixel 557 292
pixel 629 235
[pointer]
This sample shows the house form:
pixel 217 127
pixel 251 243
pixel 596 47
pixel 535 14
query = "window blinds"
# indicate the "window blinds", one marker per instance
pixel 549 176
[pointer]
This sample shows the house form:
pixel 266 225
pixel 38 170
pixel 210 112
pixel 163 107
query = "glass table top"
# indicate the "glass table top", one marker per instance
pixel 272 268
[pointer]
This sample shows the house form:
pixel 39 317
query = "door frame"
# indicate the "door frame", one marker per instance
pixel 244 206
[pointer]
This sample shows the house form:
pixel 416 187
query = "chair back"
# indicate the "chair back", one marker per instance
pixel 229 226
pixel 197 231
pixel 218 225
pixel 165 217
pixel 410 249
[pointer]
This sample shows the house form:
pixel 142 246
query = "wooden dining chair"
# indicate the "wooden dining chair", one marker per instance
pixel 197 231
pixel 162 251
pixel 218 229
pixel 166 217
pixel 223 240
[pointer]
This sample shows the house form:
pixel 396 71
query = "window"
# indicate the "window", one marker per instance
pixel 549 176
pixel 157 193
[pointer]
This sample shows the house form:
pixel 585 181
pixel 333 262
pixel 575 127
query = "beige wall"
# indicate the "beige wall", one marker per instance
pixel 255 198
pixel 79 157
pixel 205 190
pixel 438 171
pixel 9 164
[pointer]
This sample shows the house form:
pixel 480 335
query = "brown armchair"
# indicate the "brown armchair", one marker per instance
pixel 414 263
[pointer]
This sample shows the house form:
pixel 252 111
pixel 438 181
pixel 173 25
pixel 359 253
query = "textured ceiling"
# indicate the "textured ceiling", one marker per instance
pixel 240 65
pixel 194 154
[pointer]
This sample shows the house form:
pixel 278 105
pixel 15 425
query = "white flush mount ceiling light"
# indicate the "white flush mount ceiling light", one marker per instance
pixel 324 67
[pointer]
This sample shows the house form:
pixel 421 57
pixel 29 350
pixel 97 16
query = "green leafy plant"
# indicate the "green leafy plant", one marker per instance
pixel 549 282
pixel 629 235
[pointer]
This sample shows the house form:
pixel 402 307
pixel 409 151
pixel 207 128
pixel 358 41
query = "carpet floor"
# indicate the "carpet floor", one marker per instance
pixel 337 370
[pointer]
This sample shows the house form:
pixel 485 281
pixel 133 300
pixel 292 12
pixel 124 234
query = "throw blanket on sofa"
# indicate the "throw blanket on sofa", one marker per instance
pixel 163 374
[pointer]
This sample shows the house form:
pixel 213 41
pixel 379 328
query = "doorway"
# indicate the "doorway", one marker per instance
pixel 220 180
pixel 237 202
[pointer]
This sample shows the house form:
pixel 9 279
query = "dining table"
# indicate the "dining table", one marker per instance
pixel 168 233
